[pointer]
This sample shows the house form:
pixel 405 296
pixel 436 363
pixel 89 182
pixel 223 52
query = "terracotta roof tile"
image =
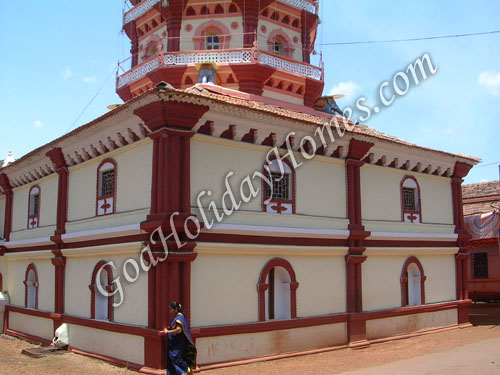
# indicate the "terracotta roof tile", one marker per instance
pixel 481 189
pixel 478 208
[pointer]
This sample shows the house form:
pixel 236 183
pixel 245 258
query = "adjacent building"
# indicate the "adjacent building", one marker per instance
pixel 482 221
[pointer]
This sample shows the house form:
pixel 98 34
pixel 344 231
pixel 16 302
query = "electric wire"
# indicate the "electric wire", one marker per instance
pixel 91 100
pixel 412 39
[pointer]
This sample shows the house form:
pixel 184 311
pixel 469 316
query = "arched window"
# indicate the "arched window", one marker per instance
pixel 277 289
pixel 280 44
pixel 211 35
pixel 412 283
pixel 218 9
pixel 101 306
pixel 31 287
pixel 106 187
pixel 411 211
pixel 233 9
pixel 153 47
pixel 281 197
pixel 34 207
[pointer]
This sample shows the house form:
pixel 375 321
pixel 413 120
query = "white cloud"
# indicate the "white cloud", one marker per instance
pixel 491 81
pixel 346 88
pixel 66 73
pixel 484 180
pixel 38 124
pixel 92 79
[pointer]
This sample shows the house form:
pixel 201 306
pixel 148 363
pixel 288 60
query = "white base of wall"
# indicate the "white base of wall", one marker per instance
pixel 235 347
pixel 387 327
pixel 115 345
pixel 31 325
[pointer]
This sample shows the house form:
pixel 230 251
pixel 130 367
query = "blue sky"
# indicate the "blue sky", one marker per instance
pixel 57 54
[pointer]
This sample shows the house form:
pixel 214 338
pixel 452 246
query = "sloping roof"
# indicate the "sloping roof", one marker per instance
pixel 479 197
pixel 251 102
pixel 481 189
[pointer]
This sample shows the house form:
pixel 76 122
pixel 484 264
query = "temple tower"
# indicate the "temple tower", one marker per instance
pixel 261 47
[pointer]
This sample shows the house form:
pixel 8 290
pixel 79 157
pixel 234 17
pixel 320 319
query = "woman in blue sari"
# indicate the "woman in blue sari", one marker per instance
pixel 181 352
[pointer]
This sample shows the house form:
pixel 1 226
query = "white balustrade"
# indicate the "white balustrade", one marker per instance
pixel 297 68
pixel 243 56
pixel 301 4
pixel 140 10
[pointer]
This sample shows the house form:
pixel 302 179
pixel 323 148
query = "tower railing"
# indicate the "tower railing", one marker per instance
pixel 219 57
pixel 187 56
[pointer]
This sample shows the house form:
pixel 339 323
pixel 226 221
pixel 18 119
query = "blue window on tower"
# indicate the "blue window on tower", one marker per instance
pixel 213 42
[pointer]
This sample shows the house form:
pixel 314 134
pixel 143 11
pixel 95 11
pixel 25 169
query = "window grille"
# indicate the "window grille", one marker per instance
pixel 281 186
pixel 107 182
pixel 409 199
pixel 480 261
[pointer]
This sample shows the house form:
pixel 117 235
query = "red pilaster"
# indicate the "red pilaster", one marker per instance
pixel 462 257
pixel 354 259
pixel 59 262
pixel 9 195
pixel 171 124
pixel 307 34
pixel 250 10
pixel 57 158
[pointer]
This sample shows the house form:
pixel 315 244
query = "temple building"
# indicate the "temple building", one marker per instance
pixel 319 244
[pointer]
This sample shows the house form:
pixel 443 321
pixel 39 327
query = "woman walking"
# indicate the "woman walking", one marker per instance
pixel 181 352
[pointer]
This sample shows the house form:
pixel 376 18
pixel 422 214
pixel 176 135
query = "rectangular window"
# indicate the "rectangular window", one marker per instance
pixel 409 199
pixel 107 182
pixel 281 186
pixel 35 205
pixel 213 42
pixel 480 264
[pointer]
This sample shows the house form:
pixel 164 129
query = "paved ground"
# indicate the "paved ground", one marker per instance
pixel 481 358
pixel 474 350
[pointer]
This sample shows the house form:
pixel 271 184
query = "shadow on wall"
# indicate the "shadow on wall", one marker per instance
pixel 485 314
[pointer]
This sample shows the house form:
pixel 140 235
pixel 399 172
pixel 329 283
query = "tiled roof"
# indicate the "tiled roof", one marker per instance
pixel 481 189
pixel 252 102
pixel 298 112
pixel 476 199
pixel 477 208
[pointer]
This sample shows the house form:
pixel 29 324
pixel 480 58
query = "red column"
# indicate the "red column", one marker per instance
pixel 9 195
pixel 356 328
pixel 462 257
pixel 171 124
pixel 56 156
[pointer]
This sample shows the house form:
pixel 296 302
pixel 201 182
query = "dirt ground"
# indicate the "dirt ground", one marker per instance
pixel 486 320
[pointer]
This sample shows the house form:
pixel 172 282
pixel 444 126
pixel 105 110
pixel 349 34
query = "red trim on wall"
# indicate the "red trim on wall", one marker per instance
pixel 31 267
pixel 268 326
pixel 269 240
pixel 98 187
pixel 109 289
pixel 36 216
pixel 293 187
pixel 403 211
pixel 1 282
pixel 262 286
pixel 404 280
pixel 9 195
pixel 59 263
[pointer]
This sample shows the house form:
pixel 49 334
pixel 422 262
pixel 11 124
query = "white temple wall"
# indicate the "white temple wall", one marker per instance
pixel 80 264
pixel 224 281
pixel 381 195
pixel 133 188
